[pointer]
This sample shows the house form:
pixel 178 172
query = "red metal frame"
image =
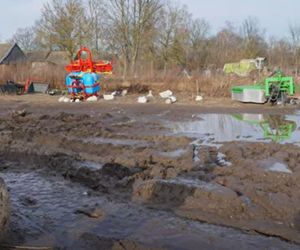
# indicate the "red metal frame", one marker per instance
pixel 27 85
pixel 87 65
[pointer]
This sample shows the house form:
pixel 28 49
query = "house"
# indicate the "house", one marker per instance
pixel 11 54
pixel 45 62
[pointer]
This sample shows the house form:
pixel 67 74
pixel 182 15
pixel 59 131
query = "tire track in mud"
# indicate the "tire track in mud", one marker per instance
pixel 148 172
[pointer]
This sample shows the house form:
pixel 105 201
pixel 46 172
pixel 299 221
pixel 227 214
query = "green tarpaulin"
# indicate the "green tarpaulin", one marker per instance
pixel 243 68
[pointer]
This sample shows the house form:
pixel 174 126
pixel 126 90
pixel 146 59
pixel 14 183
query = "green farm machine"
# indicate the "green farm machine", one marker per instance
pixel 275 89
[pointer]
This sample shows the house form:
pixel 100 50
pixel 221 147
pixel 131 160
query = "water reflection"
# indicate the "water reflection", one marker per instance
pixel 275 127
pixel 217 128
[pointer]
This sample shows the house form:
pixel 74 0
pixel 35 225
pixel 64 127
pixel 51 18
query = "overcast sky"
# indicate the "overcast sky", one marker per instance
pixel 274 15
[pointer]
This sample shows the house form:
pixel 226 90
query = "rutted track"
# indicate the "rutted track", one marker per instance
pixel 145 181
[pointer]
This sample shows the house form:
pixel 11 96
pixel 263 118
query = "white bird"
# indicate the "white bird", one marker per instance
pixel 150 95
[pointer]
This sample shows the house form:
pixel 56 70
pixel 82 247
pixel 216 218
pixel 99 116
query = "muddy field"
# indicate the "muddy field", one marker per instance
pixel 118 175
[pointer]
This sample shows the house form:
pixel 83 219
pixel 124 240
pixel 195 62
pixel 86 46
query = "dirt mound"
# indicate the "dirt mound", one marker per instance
pixel 127 157
pixel 260 195
pixel 161 192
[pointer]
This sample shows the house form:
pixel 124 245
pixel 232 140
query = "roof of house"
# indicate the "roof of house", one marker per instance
pixel 5 49
pixel 59 57
pixel 38 56
pixel 8 49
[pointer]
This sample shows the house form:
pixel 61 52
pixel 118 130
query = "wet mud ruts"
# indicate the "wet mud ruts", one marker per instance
pixel 134 168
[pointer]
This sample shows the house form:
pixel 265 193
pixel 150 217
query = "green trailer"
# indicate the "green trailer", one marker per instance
pixel 251 93
pixel 274 89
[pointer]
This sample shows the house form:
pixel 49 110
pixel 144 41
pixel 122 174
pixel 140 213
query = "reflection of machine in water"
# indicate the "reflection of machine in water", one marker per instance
pixel 275 127
pixel 278 128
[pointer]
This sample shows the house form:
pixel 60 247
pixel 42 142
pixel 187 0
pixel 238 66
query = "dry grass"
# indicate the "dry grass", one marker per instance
pixel 41 72
pixel 214 84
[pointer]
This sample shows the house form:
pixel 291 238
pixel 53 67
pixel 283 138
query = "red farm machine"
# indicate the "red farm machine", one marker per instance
pixel 83 80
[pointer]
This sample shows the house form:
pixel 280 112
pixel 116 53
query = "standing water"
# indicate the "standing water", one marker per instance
pixel 213 129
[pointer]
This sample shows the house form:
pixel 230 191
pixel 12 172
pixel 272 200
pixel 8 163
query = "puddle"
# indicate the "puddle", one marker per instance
pixel 90 165
pixel 165 113
pixel 53 212
pixel 116 142
pixel 214 129
pixel 274 166
pixel 51 221
pixel 174 154
pixel 193 183
pixel 280 167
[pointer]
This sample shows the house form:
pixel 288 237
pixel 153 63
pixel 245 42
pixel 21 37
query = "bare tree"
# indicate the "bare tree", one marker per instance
pixel 148 34
pixel 280 53
pixel 199 30
pixel 131 24
pixel 254 43
pixel 199 47
pixel 96 14
pixel 295 39
pixel 63 25
pixel 173 30
pixel 25 38
pixel 226 46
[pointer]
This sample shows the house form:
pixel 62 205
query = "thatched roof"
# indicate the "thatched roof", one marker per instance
pixel 38 56
pixel 59 57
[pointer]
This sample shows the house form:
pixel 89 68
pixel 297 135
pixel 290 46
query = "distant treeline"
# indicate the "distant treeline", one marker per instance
pixel 152 35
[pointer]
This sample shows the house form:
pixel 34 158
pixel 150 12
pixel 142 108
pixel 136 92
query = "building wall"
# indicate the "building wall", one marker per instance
pixel 39 70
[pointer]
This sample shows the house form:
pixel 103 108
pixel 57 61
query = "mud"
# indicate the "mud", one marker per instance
pixel 4 209
pixel 118 177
